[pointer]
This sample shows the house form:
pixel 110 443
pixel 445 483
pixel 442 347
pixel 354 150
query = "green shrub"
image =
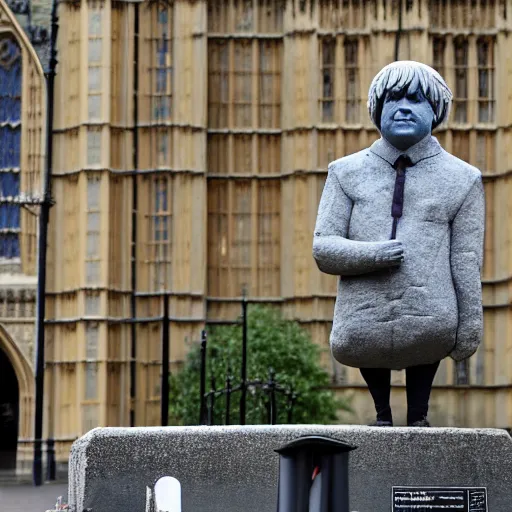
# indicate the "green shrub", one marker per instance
pixel 272 343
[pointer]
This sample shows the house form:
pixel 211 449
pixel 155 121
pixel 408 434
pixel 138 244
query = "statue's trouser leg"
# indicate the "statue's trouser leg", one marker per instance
pixel 419 385
pixel 379 384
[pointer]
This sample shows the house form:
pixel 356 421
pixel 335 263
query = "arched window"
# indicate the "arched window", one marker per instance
pixel 10 143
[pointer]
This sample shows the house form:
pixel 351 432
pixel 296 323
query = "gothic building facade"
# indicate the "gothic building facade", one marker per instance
pixel 190 146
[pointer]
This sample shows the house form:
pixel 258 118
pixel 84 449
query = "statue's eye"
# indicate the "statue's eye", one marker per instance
pixel 392 96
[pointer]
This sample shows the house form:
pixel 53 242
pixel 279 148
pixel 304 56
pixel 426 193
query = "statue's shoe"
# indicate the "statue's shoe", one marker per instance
pixel 381 423
pixel 420 423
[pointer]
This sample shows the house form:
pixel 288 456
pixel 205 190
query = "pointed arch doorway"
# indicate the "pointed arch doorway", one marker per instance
pixel 9 413
pixel 16 406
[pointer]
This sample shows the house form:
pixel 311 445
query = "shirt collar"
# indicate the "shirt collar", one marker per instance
pixel 425 148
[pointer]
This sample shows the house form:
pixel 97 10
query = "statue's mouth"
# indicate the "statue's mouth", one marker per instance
pixel 404 120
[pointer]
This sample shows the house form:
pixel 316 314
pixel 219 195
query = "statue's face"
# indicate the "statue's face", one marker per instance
pixel 406 118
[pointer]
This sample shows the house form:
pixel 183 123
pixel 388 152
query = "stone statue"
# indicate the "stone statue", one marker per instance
pixel 402 224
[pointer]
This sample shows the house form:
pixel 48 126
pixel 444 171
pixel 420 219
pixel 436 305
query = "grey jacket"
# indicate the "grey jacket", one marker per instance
pixel 428 307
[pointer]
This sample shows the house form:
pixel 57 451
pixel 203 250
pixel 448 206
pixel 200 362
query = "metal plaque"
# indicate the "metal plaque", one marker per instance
pixel 437 499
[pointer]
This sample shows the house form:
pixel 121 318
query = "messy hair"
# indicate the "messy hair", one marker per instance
pixel 398 76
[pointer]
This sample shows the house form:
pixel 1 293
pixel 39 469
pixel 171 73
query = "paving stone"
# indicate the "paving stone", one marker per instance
pixel 27 498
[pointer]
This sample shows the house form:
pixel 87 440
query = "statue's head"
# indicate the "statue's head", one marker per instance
pixel 406 101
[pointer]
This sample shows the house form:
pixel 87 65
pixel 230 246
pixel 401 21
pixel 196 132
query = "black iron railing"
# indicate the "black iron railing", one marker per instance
pixel 269 388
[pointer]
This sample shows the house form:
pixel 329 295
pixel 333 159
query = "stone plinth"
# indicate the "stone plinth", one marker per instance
pixel 235 469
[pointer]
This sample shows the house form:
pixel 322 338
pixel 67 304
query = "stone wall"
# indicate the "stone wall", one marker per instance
pixel 18 291
pixel 18 311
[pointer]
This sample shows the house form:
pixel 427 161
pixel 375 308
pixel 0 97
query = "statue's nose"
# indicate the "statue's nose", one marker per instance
pixel 404 107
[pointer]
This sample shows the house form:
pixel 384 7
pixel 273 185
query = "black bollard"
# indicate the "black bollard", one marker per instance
pixel 50 460
pixel 313 475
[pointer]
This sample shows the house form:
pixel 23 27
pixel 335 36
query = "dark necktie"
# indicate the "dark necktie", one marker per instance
pixel 401 164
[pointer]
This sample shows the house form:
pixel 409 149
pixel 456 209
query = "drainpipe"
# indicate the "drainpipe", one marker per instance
pixel 399 30
pixel 164 387
pixel 133 304
pixel 41 259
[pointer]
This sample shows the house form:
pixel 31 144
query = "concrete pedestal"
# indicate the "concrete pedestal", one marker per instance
pixel 235 469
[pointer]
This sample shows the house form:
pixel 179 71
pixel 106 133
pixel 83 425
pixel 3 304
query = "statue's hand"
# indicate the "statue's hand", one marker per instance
pixel 461 352
pixel 390 254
